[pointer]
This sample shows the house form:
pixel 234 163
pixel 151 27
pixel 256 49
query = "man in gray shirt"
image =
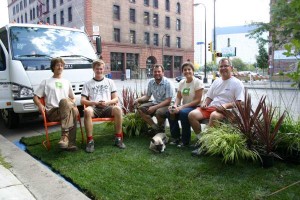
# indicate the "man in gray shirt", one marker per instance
pixel 162 91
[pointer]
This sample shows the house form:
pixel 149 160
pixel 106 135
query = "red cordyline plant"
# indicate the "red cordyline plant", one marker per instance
pixel 128 97
pixel 265 133
pixel 243 117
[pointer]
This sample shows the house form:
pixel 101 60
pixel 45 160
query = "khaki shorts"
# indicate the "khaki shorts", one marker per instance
pixel 161 111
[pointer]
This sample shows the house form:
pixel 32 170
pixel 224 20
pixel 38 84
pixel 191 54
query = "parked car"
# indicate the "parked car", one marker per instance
pixel 179 78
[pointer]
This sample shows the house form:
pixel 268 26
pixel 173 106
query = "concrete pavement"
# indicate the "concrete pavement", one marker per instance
pixel 29 179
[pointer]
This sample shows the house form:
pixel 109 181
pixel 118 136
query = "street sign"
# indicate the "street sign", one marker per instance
pixel 228 51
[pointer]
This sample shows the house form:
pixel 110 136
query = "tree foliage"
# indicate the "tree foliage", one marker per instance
pixel 262 58
pixel 284 29
pixel 238 64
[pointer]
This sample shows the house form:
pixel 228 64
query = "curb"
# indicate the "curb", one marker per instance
pixel 40 181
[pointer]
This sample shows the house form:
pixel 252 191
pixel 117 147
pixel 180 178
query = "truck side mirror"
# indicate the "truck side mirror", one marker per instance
pixel 98 45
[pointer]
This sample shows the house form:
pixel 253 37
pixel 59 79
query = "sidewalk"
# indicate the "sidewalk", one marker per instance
pixel 28 179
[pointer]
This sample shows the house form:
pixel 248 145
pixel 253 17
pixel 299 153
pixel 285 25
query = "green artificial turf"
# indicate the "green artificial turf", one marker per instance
pixel 138 173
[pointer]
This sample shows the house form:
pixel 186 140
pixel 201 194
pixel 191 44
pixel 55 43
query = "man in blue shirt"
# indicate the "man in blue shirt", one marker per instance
pixel 162 91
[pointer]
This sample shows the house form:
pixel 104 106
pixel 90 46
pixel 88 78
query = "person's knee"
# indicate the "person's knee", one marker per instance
pixel 116 111
pixel 88 113
pixel 63 102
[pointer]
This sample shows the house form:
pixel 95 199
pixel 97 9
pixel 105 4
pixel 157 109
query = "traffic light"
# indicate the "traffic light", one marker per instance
pixel 218 54
pixel 210 46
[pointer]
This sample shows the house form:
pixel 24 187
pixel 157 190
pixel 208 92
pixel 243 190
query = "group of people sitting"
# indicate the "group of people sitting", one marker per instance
pixel 99 95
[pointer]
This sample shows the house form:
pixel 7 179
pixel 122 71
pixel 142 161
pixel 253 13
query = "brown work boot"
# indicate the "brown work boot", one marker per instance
pixel 71 148
pixel 64 141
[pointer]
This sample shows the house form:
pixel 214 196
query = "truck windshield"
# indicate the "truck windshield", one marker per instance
pixel 35 42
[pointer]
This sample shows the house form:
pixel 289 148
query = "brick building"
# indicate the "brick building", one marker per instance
pixel 135 34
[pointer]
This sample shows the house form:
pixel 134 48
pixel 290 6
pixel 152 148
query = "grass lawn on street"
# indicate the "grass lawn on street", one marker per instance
pixel 138 173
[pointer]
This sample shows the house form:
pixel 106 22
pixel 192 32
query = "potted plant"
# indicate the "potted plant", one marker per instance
pixel 289 144
pixel 266 134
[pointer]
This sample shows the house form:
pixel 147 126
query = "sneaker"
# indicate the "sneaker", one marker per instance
pixel 174 141
pixel 198 152
pixel 181 145
pixel 90 147
pixel 64 141
pixel 72 148
pixel 119 143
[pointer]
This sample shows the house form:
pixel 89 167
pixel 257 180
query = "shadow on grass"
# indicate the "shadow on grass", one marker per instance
pixel 138 173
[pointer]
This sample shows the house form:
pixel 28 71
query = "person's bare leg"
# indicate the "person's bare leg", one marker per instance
pixel 117 113
pixel 214 118
pixel 194 117
pixel 88 123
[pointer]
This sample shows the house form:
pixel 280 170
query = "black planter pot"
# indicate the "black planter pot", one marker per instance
pixel 267 161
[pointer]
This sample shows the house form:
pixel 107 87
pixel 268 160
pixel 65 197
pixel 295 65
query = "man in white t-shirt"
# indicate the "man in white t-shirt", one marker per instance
pixel 59 103
pixel 100 96
pixel 224 91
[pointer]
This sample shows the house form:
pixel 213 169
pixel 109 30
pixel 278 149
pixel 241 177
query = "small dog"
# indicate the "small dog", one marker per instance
pixel 158 142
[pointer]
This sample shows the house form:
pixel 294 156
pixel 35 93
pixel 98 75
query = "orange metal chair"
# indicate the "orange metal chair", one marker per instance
pixel 47 124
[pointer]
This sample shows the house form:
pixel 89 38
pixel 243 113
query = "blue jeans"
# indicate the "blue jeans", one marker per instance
pixel 185 125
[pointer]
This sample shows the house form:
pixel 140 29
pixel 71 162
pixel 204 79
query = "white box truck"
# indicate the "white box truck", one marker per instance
pixel 25 54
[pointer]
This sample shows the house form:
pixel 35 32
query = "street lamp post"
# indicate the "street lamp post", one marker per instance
pixel 162 48
pixel 205 76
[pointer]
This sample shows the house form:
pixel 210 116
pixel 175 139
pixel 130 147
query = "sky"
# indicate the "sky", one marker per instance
pixel 228 12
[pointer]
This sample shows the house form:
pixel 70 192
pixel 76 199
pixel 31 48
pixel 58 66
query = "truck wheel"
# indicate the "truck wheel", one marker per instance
pixel 10 118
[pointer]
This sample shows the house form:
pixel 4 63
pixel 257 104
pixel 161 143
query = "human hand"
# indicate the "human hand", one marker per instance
pixel 151 110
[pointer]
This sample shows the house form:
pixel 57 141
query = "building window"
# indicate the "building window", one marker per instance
pixel 61 2
pixel 21 5
pixel 18 20
pixel 167 62
pixel 132 15
pixel 30 14
pixel 146 2
pixel 47 6
pixel 14 10
pixel 132 1
pixel 116 61
pixel 167 5
pixel 155 20
pixel 54 3
pixel 25 3
pixel 168 22
pixel 33 13
pixel 132 37
pixel 54 19
pixel 146 18
pixel 62 20
pixel 147 38
pixel 22 19
pixel 116 11
pixel 155 3
pixel 70 14
pixel 48 20
pixel 178 42
pixel 132 62
pixel 37 11
pixel 178 25
pixel 26 18
pixel 177 62
pixel 17 8
pixel 178 8
pixel 155 39
pixel 167 42
pixel 117 35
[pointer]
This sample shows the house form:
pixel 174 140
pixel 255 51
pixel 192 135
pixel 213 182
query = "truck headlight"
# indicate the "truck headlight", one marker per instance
pixel 20 92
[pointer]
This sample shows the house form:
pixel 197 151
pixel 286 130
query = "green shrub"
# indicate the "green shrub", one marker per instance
pixel 227 141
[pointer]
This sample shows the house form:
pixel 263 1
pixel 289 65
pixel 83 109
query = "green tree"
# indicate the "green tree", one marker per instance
pixel 262 58
pixel 238 64
pixel 284 29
